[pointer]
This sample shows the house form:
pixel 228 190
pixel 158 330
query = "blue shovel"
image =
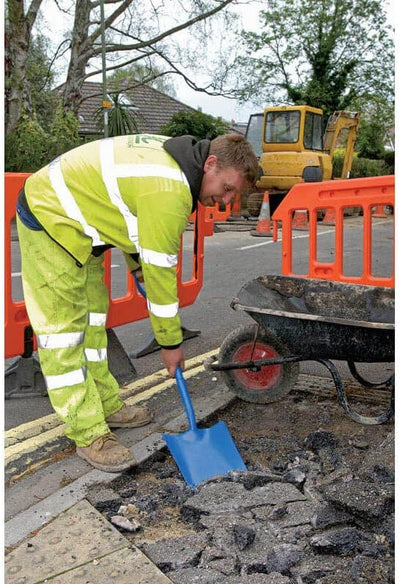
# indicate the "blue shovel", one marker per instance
pixel 200 454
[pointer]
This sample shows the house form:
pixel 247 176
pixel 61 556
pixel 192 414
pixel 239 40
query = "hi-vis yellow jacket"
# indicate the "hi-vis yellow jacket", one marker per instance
pixel 127 192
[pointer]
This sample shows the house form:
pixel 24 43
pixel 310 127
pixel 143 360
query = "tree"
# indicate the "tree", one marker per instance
pixel 39 82
pixel 324 54
pixel 197 124
pixel 122 116
pixel 136 31
pixel 18 33
pixel 151 75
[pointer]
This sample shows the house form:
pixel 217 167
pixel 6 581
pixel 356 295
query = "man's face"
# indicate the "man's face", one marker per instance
pixel 219 185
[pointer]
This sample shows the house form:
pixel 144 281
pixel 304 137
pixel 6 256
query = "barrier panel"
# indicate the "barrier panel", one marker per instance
pixel 339 196
pixel 216 214
pixel 125 309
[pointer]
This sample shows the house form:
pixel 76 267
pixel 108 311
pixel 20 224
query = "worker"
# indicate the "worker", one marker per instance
pixel 134 193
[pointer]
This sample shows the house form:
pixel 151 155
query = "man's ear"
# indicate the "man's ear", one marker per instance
pixel 210 163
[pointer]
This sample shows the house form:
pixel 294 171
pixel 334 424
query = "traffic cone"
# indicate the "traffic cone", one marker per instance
pixel 330 216
pixel 236 209
pixel 300 220
pixel 263 228
pixel 379 211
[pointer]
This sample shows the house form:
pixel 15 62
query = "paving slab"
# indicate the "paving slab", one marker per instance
pixel 80 545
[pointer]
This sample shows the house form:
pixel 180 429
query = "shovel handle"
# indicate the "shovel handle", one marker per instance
pixel 180 382
pixel 185 398
pixel 139 286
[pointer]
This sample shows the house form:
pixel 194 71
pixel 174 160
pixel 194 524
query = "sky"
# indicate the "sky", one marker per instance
pixel 228 109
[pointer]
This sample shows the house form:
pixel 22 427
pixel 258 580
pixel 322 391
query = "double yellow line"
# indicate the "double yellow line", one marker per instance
pixel 23 440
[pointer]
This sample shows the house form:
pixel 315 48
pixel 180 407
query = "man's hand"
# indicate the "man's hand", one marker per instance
pixel 172 358
pixel 139 275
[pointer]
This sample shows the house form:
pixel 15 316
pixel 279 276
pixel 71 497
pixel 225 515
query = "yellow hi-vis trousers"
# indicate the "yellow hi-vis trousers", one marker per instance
pixel 67 307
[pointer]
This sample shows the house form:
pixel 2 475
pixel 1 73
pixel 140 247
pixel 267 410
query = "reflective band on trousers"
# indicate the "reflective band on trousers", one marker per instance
pixel 68 202
pixel 163 260
pixel 60 340
pixel 65 379
pixel 96 355
pixel 163 310
pixel 97 319
pixel 109 174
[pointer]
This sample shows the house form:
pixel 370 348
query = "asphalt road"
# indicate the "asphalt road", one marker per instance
pixel 232 258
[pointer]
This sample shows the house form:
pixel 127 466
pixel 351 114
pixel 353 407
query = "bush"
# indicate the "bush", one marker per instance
pixel 63 134
pixel 361 166
pixel 389 160
pixel 197 124
pixel 366 167
pixel 26 147
pixel 30 147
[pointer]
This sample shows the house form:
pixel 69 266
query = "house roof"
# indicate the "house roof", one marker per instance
pixel 155 109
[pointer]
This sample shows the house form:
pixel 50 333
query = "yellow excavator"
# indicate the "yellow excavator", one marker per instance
pixel 292 147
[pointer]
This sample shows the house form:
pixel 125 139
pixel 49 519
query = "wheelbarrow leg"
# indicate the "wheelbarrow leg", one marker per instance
pixel 364 382
pixel 369 420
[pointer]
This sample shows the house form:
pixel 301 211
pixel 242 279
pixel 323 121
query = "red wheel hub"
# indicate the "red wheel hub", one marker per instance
pixel 261 380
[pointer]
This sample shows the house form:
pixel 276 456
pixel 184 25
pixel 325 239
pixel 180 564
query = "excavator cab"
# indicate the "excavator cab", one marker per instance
pixel 293 146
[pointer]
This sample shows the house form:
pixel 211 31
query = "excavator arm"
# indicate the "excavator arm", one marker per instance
pixel 339 121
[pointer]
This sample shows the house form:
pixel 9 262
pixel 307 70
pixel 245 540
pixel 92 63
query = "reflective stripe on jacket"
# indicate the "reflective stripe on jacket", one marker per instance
pixel 127 192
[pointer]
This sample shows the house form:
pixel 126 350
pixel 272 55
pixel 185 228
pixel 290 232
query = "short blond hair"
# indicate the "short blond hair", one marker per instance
pixel 233 150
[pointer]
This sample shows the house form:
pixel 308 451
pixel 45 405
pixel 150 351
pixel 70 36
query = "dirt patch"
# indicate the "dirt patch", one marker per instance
pixel 316 505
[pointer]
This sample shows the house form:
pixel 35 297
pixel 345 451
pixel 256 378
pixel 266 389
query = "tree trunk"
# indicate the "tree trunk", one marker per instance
pixel 81 51
pixel 18 32
pixel 18 37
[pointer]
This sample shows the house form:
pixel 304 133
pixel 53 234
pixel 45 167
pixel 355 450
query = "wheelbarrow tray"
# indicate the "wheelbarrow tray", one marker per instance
pixel 321 319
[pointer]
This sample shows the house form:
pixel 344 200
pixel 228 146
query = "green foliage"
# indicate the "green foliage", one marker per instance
pixel 122 119
pixel 361 167
pixel 389 158
pixel 324 54
pixel 30 147
pixel 366 167
pixel 63 133
pixel 25 149
pixel 197 124
pixel 371 138
pixel 39 80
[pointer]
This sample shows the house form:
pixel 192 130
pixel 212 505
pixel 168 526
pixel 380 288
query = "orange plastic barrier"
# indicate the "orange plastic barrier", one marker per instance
pixel 216 214
pixel 365 193
pixel 128 308
pixel 15 317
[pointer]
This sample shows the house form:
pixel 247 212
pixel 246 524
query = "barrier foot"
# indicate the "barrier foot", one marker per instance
pixel 119 362
pixel 24 378
pixel 151 345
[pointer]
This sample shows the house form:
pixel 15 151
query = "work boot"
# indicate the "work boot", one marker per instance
pixel 130 417
pixel 107 454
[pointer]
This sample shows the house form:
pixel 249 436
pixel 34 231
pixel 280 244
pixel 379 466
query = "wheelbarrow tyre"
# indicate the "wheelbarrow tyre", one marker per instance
pixel 269 384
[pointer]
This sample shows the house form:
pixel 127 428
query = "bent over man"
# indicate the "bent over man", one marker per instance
pixel 131 192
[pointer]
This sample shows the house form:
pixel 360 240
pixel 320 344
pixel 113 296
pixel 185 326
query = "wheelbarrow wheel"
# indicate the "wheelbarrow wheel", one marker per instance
pixel 271 382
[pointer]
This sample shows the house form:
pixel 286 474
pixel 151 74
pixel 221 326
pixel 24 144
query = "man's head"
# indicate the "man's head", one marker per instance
pixel 230 168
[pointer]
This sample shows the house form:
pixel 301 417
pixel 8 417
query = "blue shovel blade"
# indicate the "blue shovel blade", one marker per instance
pixel 204 453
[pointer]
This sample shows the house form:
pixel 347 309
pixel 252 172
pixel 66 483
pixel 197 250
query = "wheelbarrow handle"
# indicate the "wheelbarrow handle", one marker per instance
pixel 185 398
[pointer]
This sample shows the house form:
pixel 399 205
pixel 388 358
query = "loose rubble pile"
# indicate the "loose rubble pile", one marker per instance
pixel 311 518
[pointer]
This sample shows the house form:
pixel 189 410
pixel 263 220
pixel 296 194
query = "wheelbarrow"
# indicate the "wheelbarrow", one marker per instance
pixel 301 319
